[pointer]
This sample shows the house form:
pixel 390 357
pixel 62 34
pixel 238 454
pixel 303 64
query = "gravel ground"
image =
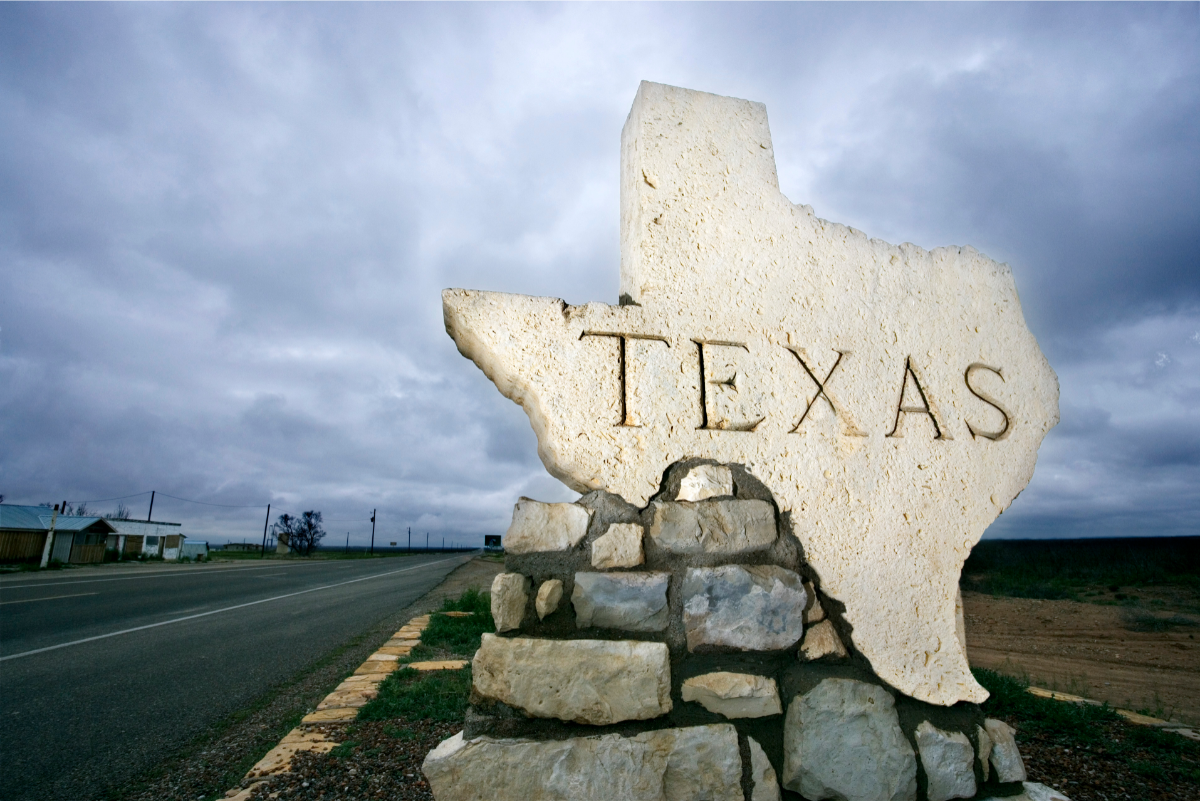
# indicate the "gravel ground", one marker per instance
pixel 376 760
pixel 1096 774
pixel 217 762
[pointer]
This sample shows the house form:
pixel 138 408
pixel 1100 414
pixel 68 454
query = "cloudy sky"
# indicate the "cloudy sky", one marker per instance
pixel 224 229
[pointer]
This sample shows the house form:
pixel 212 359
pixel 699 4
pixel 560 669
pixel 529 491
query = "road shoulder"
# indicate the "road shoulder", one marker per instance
pixel 210 765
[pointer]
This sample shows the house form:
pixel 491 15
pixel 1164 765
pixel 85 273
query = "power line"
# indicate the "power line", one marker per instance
pixel 123 497
pixel 222 505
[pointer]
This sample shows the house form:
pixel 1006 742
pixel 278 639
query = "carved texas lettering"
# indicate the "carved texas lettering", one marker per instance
pixel 851 429
pixel 989 400
pixel 624 417
pixel 729 382
pixel 924 408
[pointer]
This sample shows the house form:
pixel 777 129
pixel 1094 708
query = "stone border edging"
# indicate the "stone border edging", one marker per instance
pixel 342 705
pixel 1136 718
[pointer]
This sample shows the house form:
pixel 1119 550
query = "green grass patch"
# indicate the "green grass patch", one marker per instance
pixel 1009 698
pixel 1149 752
pixel 459 636
pixel 418 695
pixel 437 694
pixel 342 750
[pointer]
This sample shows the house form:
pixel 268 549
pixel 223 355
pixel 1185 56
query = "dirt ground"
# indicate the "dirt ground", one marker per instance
pixel 1094 650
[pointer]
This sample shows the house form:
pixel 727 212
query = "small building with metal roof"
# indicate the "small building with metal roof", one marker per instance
pixel 77 540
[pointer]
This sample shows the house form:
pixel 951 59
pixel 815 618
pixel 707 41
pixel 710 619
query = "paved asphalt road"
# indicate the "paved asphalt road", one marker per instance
pixel 105 671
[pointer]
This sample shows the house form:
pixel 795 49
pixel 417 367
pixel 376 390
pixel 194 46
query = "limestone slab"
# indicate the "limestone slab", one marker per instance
pixel 892 398
pixel 548 596
pixel 734 695
pixel 752 607
pixel 339 715
pixel 842 740
pixel 949 762
pixel 510 594
pixel 586 681
pixel 438 664
pixel 626 601
pixel 1005 757
pixel 820 641
pixel 813 612
pixel 540 527
pixel 985 751
pixel 372 667
pixel 762 774
pixel 726 527
pixel 706 481
pixel 620 546
pixel 699 763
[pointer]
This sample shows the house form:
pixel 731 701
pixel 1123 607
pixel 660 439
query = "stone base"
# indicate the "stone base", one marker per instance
pixel 700 762
pixel 708 671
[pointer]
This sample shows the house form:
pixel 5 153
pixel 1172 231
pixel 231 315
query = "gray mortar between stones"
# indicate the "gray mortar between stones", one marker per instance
pixel 487 717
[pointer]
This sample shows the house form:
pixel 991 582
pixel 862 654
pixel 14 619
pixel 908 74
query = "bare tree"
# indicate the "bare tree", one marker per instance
pixel 122 513
pixel 308 532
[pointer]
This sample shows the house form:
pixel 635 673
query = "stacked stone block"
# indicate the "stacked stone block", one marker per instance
pixel 685 651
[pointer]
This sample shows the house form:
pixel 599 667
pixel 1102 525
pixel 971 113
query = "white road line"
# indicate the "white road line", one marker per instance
pixel 51 598
pixel 215 611
pixel 195 572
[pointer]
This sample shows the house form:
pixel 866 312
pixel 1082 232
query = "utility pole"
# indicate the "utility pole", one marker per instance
pixel 373 511
pixel 347 542
pixel 427 540
pixel 265 523
pixel 150 514
pixel 410 539
pixel 50 538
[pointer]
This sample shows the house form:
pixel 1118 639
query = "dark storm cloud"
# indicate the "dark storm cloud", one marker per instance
pixel 224 230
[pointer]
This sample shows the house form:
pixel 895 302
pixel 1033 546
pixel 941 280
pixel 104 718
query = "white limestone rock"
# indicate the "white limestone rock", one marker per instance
pixel 706 481
pixel 985 751
pixel 813 612
pixel 734 695
pixel 842 740
pixel 690 764
pixel 548 596
pixel 619 546
pixel 727 527
pixel 1032 791
pixel 539 527
pixel 627 601
pixel 822 640
pixel 762 774
pixel 586 681
pixel 1040 792
pixel 1005 758
pixel 704 763
pixel 892 398
pixel 949 762
pixel 752 607
pixel 510 593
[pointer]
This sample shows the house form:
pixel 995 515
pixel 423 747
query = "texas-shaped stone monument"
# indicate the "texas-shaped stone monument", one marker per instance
pixel 891 398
